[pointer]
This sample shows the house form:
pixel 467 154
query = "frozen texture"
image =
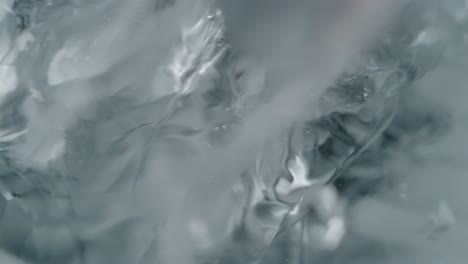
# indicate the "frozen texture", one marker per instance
pixel 233 132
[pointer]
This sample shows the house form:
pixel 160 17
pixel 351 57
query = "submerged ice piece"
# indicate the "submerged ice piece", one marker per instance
pixel 295 186
pixel 355 112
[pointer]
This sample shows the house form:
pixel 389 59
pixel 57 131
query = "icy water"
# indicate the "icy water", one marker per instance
pixel 233 132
